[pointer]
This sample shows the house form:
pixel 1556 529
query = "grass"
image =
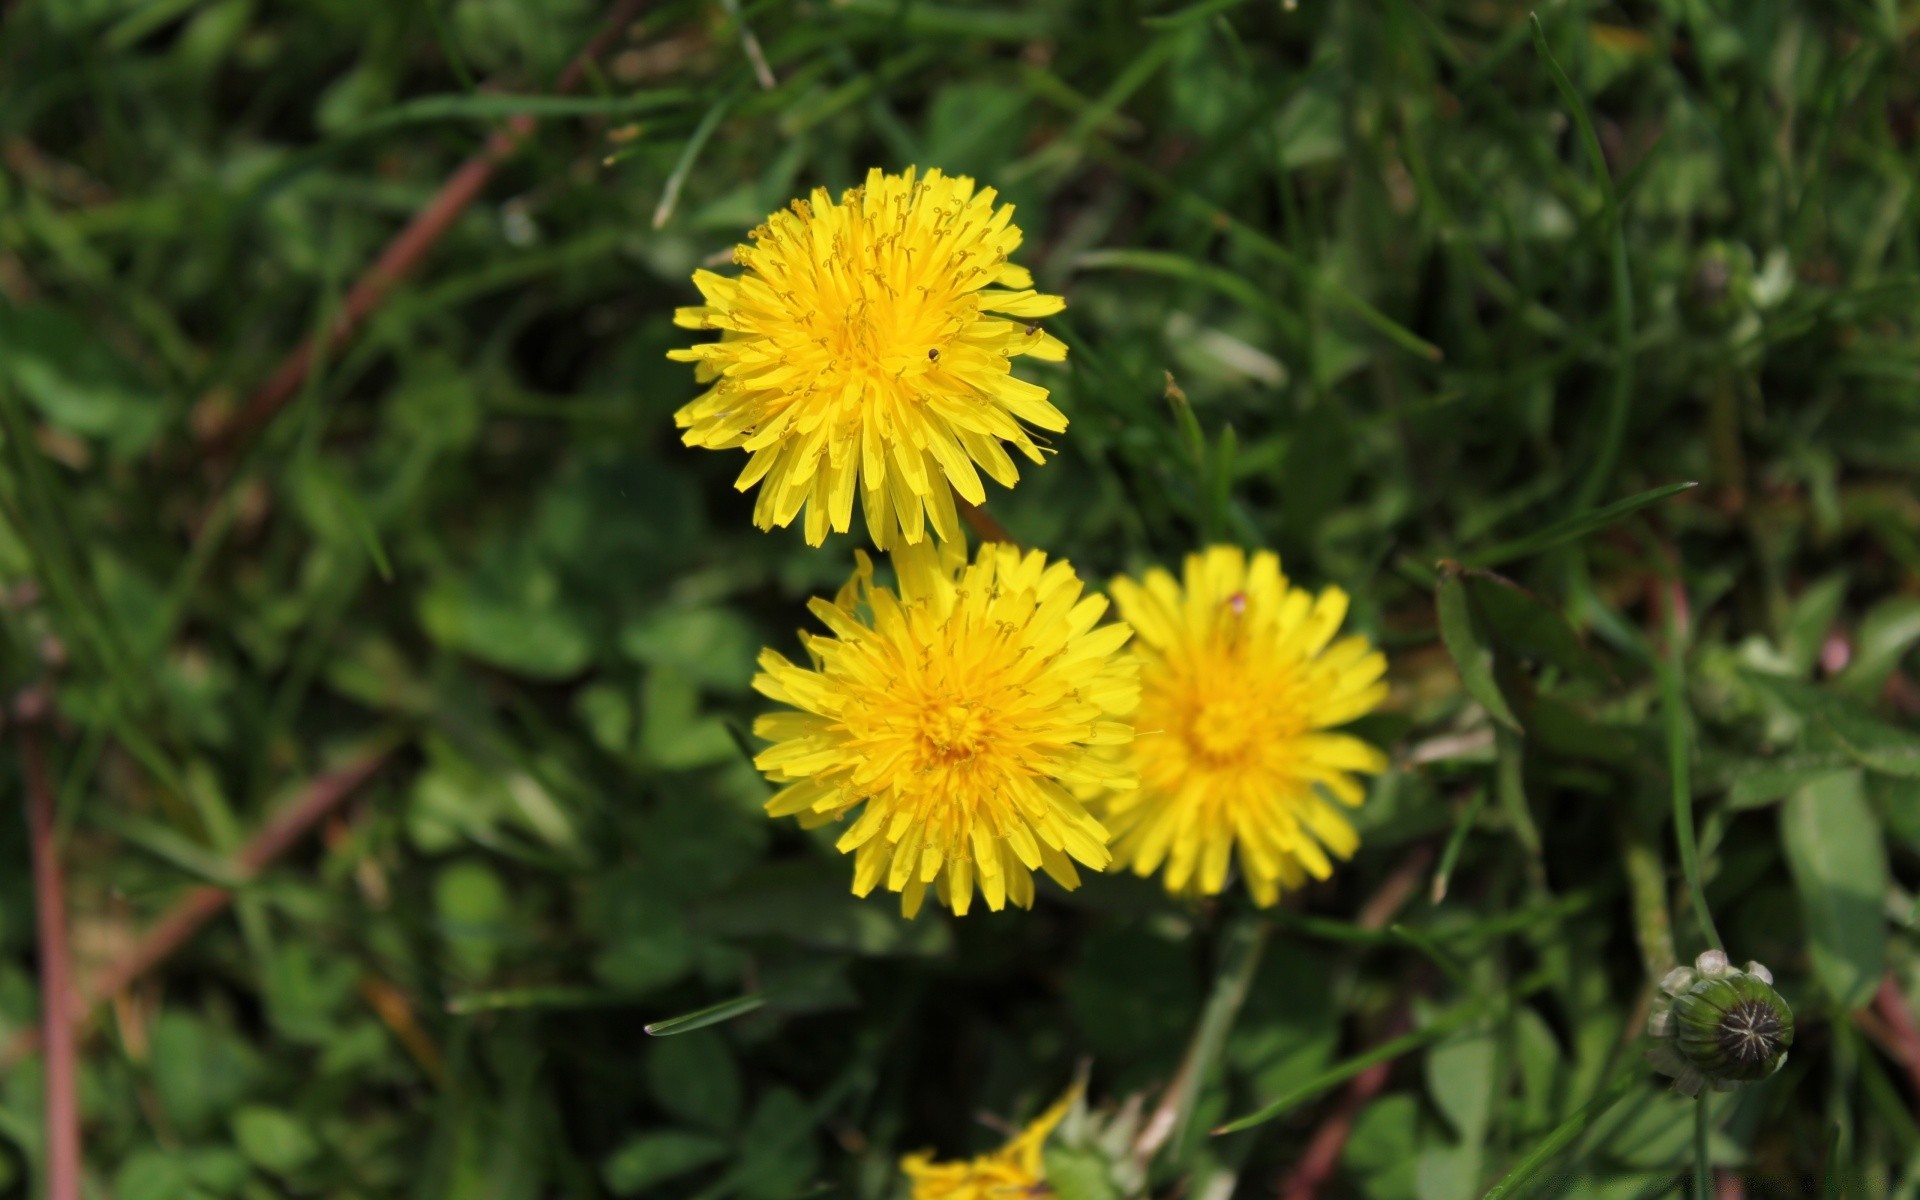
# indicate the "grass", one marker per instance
pixel 1407 292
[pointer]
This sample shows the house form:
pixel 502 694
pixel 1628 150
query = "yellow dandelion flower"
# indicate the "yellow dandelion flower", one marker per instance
pixel 1016 1171
pixel 959 711
pixel 1240 683
pixel 870 342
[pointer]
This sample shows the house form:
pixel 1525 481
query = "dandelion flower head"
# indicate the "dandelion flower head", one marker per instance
pixel 867 344
pixel 958 714
pixel 1241 683
pixel 1015 1171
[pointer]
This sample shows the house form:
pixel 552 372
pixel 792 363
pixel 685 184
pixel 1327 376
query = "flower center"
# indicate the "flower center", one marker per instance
pixel 1750 1032
pixel 1222 730
pixel 952 733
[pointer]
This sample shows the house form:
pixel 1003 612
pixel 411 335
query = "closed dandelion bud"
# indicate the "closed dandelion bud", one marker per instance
pixel 1720 1025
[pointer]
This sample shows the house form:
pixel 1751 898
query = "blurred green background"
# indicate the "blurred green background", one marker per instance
pixel 1409 322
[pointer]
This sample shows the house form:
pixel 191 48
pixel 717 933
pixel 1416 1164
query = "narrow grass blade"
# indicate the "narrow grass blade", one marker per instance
pixel 1188 270
pixel 1386 1051
pixel 1673 712
pixel 1620 396
pixel 1562 1135
pixel 726 1010
pixel 509 999
pixel 670 195
pixel 1456 842
pixel 1561 532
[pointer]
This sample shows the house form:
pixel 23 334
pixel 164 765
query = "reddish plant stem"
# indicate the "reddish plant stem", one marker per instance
pixel 192 911
pixel 56 963
pixel 1899 1021
pixel 411 244
pixel 1317 1163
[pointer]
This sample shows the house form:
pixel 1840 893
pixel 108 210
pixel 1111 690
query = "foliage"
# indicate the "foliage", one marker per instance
pixel 1420 350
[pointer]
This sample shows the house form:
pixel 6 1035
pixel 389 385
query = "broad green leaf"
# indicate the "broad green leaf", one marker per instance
pixel 1460 1080
pixel 200 1070
pixel 1384 1146
pixel 1839 865
pixel 473 908
pixel 273 1139
pixel 1757 784
pixel 1443 1172
pixel 76 380
pixel 1079 1175
pixel 1522 624
pixel 693 1078
pixel 710 646
pixel 1467 643
pixel 1809 621
pixel 652 1158
pixel 1830 719
pixel 778 1155
pixel 1889 632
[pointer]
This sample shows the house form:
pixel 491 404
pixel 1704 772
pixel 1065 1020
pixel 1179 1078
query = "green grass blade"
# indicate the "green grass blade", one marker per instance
pixel 726 1010
pixel 1562 1135
pixel 1561 532
pixel 1620 396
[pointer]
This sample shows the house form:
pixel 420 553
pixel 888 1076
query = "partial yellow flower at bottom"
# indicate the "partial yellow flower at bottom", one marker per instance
pixel 960 711
pixel 1241 680
pixel 1016 1171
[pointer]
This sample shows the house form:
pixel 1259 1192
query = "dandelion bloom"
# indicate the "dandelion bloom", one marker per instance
pixel 959 711
pixel 1240 682
pixel 1017 1169
pixel 869 342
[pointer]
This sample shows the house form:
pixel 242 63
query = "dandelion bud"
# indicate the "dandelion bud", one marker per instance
pixel 1720 1025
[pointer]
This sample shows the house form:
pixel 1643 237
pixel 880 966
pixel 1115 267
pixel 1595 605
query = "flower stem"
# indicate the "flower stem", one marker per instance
pixel 1239 958
pixel 1673 704
pixel 1702 1170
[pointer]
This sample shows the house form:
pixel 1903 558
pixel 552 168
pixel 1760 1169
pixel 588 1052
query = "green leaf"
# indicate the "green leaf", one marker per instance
pixel 1079 1175
pixel 529 632
pixel 273 1139
pixel 1838 862
pixel 200 1070
pixel 473 908
pixel 778 1155
pixel 1467 643
pixel 76 381
pixel 1561 532
pixel 1809 621
pixel 1384 1146
pixel 709 646
pixel 1758 784
pixel 1523 625
pixel 651 1158
pixel 1460 1079
pixel 1443 1172
pixel 1890 630
pixel 693 1078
